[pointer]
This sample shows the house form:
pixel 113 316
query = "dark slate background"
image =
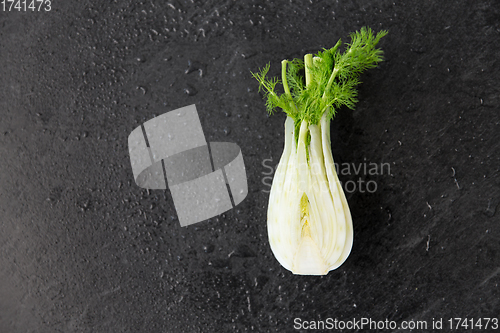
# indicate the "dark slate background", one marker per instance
pixel 83 249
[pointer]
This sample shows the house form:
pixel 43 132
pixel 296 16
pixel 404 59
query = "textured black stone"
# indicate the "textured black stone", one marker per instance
pixel 83 249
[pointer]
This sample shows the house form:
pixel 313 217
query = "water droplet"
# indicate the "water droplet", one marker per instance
pixel 141 89
pixel 208 248
pixel 492 207
pixel 190 90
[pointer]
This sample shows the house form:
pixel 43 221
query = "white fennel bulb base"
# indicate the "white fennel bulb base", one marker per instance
pixel 309 222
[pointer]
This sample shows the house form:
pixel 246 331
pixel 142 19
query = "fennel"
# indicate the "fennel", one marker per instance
pixel 309 222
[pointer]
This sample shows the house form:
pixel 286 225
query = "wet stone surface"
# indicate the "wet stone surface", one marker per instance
pixel 83 249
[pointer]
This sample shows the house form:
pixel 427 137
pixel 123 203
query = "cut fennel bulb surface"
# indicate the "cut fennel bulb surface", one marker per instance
pixel 309 222
pixel 308 218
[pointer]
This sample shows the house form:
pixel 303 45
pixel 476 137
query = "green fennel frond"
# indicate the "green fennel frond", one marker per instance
pixel 268 86
pixel 334 79
pixel 295 77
